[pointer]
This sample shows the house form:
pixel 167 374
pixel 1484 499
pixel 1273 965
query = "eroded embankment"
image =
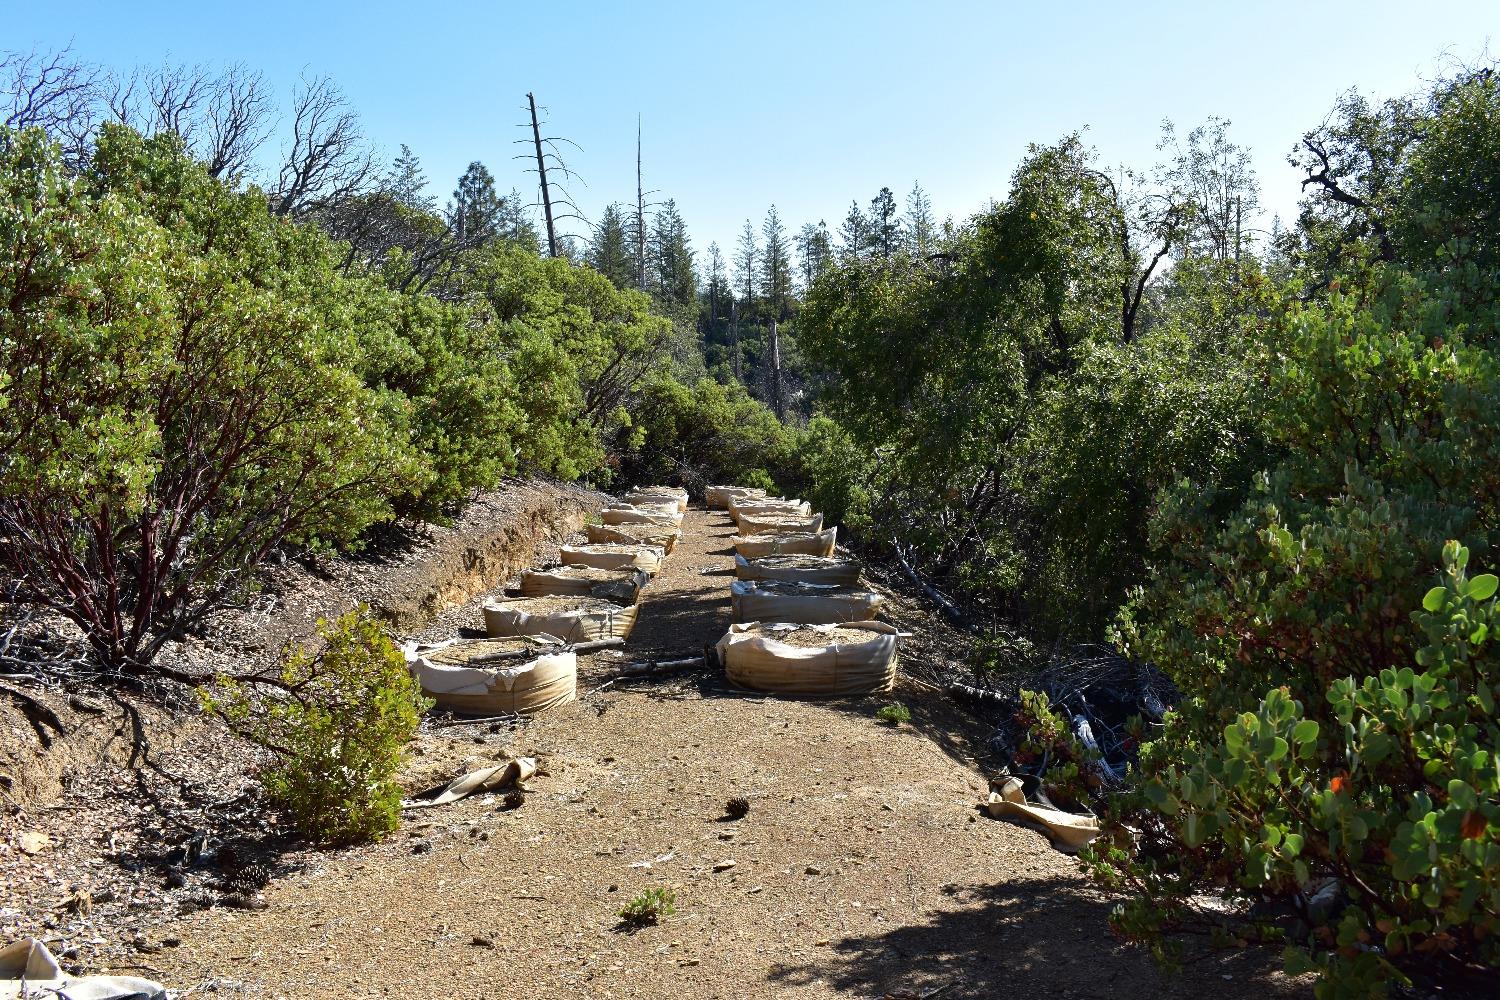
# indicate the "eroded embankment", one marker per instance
pixel 81 843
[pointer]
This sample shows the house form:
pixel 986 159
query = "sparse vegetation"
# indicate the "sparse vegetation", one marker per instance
pixel 894 714
pixel 336 728
pixel 649 907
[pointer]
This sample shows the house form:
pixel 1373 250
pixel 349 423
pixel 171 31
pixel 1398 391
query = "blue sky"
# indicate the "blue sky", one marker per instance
pixel 806 105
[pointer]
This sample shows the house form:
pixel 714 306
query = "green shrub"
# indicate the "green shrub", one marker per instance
pixel 1387 784
pixel 649 907
pixel 337 729
pixel 894 714
pixel 702 433
pixel 182 395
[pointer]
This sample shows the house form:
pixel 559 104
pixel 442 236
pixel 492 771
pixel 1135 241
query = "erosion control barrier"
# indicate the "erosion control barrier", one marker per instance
pixel 571 619
pixel 804 603
pixel 804 569
pixel 641 515
pixel 718 497
pixel 620 585
pixel 642 495
pixel 762 524
pixel 614 555
pixel 633 534
pixel 779 507
pixel 754 546
pixel 825 660
pixel 521 675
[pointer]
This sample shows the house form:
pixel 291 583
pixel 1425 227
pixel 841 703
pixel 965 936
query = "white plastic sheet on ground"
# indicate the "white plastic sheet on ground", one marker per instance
pixel 1069 832
pixel 510 687
pixel 805 569
pixel 754 546
pixel 584 624
pixel 28 969
pixel 754 658
pixel 511 774
pixel 718 497
pixel 806 603
pixel 614 555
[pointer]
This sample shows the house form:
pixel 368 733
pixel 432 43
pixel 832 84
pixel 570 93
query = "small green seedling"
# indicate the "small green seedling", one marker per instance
pixel 894 714
pixel 649 907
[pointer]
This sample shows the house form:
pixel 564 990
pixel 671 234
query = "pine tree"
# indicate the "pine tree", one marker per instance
pixel 885 224
pixel 814 252
pixel 475 211
pixel 854 234
pixel 672 257
pixel 775 265
pixel 746 263
pixel 407 183
pixel 609 252
pixel 921 229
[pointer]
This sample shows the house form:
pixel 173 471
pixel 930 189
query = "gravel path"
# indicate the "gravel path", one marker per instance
pixel 862 869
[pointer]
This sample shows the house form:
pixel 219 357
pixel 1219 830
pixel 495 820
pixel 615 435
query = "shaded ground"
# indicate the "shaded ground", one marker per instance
pixel 863 868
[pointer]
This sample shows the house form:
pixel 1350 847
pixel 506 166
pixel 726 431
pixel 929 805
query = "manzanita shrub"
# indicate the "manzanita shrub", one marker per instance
pixel 336 727
pixel 1383 800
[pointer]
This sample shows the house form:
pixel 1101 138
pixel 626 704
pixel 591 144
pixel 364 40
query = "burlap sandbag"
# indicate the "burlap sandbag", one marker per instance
pixel 753 657
pixel 28 969
pixel 633 534
pixel 778 506
pixel 622 585
pixel 449 675
pixel 657 494
pixel 571 619
pixel 718 497
pixel 614 555
pixel 805 603
pixel 641 515
pixel 804 569
pixel 766 524
pixel 754 546
pixel 1069 832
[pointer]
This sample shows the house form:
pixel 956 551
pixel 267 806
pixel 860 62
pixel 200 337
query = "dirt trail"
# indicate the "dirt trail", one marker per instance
pixel 863 868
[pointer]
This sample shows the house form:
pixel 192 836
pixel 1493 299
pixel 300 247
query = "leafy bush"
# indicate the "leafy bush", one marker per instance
pixel 649 907
pixel 337 730
pixel 1386 784
pixel 1047 743
pixel 894 714
pixel 702 433
pixel 181 397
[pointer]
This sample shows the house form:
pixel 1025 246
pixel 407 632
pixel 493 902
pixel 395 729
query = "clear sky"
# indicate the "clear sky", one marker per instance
pixel 808 104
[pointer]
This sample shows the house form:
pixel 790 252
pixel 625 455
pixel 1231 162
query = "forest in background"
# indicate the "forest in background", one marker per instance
pixel 1104 410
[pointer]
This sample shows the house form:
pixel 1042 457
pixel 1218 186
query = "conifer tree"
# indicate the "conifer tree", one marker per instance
pixel 921 228
pixel 475 211
pixel 854 234
pixel 609 251
pixel 814 252
pixel 775 265
pixel 885 224
pixel 407 183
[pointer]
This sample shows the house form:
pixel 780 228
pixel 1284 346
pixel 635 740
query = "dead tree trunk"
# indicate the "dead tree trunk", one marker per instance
pixel 734 335
pixel 541 170
pixel 777 402
pixel 640 212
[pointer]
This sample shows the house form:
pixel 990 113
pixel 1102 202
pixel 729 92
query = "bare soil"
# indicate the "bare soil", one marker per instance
pixel 863 868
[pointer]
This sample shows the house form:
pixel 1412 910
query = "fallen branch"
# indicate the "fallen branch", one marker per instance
pixel 38 713
pixel 977 693
pixel 946 606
